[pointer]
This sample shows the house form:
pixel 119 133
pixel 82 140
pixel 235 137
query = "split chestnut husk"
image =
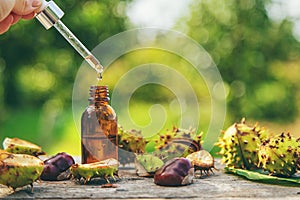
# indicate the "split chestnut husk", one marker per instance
pixel 175 172
pixel 102 169
pixel 19 146
pixel 18 170
pixel 147 164
pixel 202 161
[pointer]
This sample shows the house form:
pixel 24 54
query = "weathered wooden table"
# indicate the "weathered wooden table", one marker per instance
pixel 217 186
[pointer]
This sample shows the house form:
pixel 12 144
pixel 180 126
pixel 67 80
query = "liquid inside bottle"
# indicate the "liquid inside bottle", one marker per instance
pixel 99 128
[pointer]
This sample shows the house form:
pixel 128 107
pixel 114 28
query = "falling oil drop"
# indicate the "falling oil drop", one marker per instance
pixel 99 78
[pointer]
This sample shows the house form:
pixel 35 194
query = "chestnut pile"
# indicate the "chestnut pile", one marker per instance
pixel 21 157
pixel 21 166
pixel 167 168
pixel 171 156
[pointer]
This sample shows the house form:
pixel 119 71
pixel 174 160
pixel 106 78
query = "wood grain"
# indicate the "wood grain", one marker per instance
pixel 217 186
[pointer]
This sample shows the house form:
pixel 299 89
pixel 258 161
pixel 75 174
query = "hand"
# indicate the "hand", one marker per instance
pixel 11 11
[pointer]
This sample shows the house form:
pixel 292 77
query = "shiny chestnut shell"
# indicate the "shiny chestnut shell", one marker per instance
pixel 56 165
pixel 175 172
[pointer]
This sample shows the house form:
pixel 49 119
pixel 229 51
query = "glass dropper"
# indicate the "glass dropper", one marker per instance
pixel 49 15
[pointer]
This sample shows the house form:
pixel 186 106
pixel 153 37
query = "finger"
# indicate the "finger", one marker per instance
pixel 6 23
pixel 16 18
pixel 25 7
pixel 6 7
pixel 29 16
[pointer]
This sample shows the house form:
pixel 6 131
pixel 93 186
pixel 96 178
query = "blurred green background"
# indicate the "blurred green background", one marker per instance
pixel 254 44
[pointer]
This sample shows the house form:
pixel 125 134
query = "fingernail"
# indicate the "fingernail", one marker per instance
pixel 36 3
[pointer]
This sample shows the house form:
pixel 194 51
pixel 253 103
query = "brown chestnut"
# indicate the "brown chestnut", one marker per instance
pixel 56 165
pixel 175 172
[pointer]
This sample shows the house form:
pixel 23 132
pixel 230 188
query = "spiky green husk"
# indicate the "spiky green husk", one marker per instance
pixel 18 170
pixel 103 169
pixel 131 140
pixel 251 147
pixel 167 145
pixel 176 143
pixel 239 145
pixel 148 163
pixel 19 146
pixel 279 155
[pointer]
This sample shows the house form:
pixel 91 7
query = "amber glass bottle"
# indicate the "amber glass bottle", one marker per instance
pixel 99 127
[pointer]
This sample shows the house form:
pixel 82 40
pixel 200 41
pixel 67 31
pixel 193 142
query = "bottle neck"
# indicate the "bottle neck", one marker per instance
pixel 99 95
